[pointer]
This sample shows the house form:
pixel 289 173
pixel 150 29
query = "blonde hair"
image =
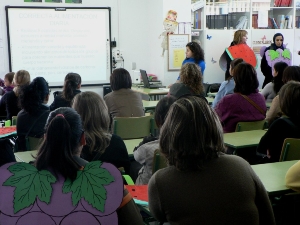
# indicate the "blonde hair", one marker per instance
pixel 22 77
pixel 95 120
pixel 238 36
pixel 191 76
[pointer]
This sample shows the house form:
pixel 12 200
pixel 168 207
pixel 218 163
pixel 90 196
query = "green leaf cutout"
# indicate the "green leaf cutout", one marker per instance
pixel 273 54
pixel 286 54
pixel 29 183
pixel 89 184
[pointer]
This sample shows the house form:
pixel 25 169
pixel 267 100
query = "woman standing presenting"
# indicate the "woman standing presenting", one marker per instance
pixel 267 61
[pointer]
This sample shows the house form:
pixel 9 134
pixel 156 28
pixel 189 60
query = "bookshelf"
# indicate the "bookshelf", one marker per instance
pixel 219 19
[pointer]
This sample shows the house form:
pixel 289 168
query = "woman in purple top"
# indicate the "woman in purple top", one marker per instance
pixel 236 108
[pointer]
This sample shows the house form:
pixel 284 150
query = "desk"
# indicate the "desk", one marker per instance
pixel 210 100
pixel 243 139
pixel 8 131
pixel 212 94
pixel 25 156
pixel 149 105
pixel 272 176
pixel 130 144
pixel 153 93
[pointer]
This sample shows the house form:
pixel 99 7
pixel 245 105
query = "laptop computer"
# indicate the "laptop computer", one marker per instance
pixel 147 83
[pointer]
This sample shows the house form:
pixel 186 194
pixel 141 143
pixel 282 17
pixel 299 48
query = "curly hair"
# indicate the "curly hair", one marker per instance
pixel 72 82
pixel 238 36
pixel 33 95
pixel 191 135
pixel 197 51
pixel 279 67
pixel 95 120
pixel 190 75
pixel 245 78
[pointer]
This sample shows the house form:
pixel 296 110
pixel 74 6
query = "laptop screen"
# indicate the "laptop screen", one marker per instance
pixel 145 78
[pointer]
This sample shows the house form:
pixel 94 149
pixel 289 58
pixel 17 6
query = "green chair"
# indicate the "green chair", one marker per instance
pixel 252 125
pixel 132 127
pixel 290 150
pixel 159 161
pixel 33 143
pixel 14 121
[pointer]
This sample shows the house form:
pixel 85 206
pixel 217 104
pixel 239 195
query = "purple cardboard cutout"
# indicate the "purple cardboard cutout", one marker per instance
pixel 271 62
pixel 61 203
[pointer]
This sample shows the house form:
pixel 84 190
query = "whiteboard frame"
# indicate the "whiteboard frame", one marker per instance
pixel 170 50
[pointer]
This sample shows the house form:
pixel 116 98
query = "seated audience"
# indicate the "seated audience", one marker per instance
pixel 272 88
pixel 62 188
pixel 292 177
pixel 288 126
pixel 33 116
pixel 290 73
pixel 145 152
pixel 10 99
pixel 101 145
pixel 6 84
pixel 246 104
pixel 202 185
pixel 190 81
pixel 122 101
pixel 71 88
pixel 227 86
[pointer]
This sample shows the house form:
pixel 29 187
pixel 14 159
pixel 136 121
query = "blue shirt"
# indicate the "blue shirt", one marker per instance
pixel 201 64
pixel 225 89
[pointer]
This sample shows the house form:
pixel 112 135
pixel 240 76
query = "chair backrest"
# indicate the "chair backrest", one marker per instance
pixel 252 125
pixel 14 120
pixel 290 150
pixel 33 143
pixel 159 161
pixel 132 127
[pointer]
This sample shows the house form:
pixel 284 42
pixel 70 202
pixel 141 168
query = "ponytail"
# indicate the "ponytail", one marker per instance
pixel 72 81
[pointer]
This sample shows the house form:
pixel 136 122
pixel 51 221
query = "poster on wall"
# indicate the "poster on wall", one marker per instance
pixel 176 53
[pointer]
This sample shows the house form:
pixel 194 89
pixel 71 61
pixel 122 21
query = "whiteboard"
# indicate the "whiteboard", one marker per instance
pixel 53 41
pixel 176 53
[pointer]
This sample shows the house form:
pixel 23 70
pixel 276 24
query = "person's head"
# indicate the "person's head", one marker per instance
pixel 233 64
pixel 8 79
pixel 71 84
pixel 279 67
pixel 95 119
pixel 194 50
pixel 289 98
pixel 278 39
pixel 191 76
pixel 192 134
pixel 64 138
pixel 291 73
pixel 162 109
pixel 240 37
pixel 22 77
pixel 32 96
pixel 245 79
pixel 120 78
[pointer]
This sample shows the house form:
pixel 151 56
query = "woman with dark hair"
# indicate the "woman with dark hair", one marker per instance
pixel 71 88
pixel 267 61
pixel 192 189
pixel 145 152
pixel 32 118
pixel 122 101
pixel 288 126
pixel 227 86
pixel 101 145
pixel 246 104
pixel 272 88
pixel 10 99
pixel 289 73
pixel 190 81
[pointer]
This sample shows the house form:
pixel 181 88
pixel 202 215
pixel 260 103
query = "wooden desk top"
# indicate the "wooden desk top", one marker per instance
pixel 243 139
pixel 148 91
pixel 272 176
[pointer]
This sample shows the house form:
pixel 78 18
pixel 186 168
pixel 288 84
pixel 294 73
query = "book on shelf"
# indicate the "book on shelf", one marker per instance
pixel 277 3
pixel 275 26
pixel 254 21
pixel 285 3
pixel 281 21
